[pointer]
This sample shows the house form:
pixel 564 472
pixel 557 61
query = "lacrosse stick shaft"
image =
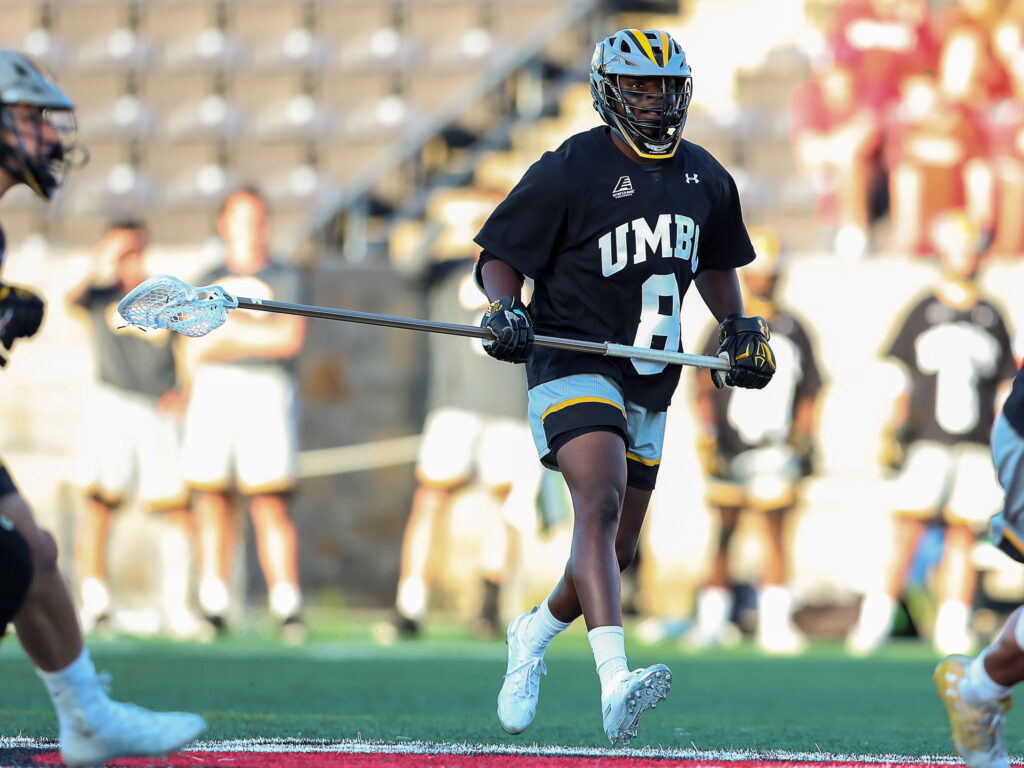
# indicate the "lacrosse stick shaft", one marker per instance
pixel 476 332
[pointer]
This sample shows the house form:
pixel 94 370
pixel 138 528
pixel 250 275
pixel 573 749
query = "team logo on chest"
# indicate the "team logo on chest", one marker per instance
pixel 623 188
pixel 673 236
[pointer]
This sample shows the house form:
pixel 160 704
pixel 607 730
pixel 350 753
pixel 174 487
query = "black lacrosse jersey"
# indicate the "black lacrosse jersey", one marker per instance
pixel 956 359
pixel 127 358
pixel 612 245
pixel 753 418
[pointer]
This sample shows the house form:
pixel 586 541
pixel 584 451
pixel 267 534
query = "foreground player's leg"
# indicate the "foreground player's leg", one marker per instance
pixel 93 728
pixel 608 518
pixel 976 693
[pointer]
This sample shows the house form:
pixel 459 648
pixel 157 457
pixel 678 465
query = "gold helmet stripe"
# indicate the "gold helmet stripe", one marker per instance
pixel 664 49
pixel 644 43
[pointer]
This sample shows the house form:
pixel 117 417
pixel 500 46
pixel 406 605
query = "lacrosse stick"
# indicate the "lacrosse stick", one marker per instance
pixel 167 302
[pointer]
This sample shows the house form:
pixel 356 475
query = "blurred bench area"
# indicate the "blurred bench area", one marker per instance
pixel 382 133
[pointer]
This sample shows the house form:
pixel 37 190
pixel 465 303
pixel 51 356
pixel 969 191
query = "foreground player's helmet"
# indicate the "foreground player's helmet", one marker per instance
pixel 42 165
pixel 650 123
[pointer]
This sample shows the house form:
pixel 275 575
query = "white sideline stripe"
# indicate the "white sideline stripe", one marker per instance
pixel 356 458
pixel 431 748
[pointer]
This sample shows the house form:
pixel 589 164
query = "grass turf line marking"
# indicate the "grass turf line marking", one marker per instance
pixel 738 758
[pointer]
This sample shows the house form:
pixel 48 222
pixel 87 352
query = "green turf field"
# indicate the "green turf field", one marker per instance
pixel 341 685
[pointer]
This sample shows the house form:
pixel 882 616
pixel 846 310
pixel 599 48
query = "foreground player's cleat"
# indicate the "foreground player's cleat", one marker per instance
pixel 637 692
pixel 977 726
pixel 517 699
pixel 99 729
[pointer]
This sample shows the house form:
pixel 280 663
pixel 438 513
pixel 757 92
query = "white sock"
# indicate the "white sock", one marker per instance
pixel 74 690
pixel 412 598
pixel 609 647
pixel 714 606
pixel 876 610
pixel 213 596
pixel 285 600
pixel 979 685
pixel 774 607
pixel 541 629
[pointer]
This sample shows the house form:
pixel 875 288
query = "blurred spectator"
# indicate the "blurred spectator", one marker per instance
pixel 955 348
pixel 474 433
pixel 837 141
pixel 242 420
pixel 755 447
pixel 1006 137
pixel 132 431
pixel 969 70
pixel 937 163
pixel 882 42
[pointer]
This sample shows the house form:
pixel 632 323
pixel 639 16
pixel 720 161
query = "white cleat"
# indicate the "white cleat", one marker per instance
pixel 635 693
pixel 977 726
pixel 112 729
pixel 517 699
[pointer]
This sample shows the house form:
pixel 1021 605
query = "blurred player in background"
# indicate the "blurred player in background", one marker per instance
pixel 755 447
pixel 976 691
pixel 131 433
pixel 241 429
pixel 613 227
pixel 36 149
pixel 474 433
pixel 955 348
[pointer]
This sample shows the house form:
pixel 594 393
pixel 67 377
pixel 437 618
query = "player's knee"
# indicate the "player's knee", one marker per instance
pixel 599 506
pixel 625 553
pixel 16 567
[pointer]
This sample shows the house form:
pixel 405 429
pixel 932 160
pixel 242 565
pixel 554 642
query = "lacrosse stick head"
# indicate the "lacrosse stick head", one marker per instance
pixel 167 302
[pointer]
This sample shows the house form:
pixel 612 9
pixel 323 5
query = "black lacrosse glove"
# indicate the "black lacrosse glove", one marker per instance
pixel 510 323
pixel 743 341
pixel 21 313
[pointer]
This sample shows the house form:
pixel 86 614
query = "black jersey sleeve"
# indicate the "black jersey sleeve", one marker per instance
pixel 907 329
pixel 725 243
pixel 525 229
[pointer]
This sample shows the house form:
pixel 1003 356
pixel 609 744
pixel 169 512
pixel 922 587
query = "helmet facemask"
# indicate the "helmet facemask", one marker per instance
pixel 641 85
pixel 651 111
pixel 32 157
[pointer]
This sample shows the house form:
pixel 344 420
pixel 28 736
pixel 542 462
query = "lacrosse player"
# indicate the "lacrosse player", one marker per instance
pixel 131 432
pixel 755 448
pixel 976 691
pixel 613 226
pixel 241 428
pixel 36 149
pixel 954 348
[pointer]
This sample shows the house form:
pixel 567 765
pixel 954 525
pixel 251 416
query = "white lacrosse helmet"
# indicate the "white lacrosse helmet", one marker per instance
pixel 24 82
pixel 649 53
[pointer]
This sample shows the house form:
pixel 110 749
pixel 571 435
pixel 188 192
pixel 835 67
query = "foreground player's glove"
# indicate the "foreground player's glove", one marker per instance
pixel 510 323
pixel 21 313
pixel 743 341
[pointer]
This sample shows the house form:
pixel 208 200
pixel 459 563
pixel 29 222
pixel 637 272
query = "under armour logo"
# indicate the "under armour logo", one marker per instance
pixel 692 177
pixel 623 187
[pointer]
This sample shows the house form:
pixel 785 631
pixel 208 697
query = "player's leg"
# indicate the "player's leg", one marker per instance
pixel 93 728
pixel 16 560
pixel 776 632
pixel 444 465
pixel 211 432
pixel 713 624
pixel 918 493
pixel 266 458
pixel 976 693
pixel 217 532
pixel 278 545
pixel 91 539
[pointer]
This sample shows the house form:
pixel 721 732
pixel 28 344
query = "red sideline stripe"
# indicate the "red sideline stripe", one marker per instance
pixel 256 759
